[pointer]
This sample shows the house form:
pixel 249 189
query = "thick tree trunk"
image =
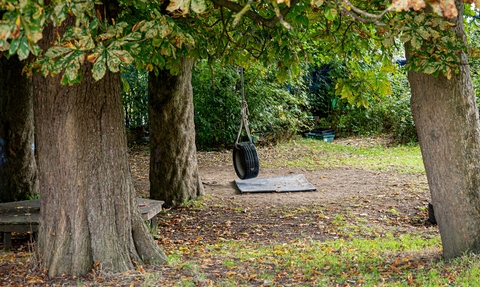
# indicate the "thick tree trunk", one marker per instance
pixel 18 170
pixel 447 122
pixel 174 175
pixel 88 210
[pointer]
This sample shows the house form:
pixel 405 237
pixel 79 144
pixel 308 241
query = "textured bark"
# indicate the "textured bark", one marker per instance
pixel 18 170
pixel 174 175
pixel 88 210
pixel 447 122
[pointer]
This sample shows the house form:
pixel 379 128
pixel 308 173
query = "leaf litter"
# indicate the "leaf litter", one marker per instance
pixel 201 238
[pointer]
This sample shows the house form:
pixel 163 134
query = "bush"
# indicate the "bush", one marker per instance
pixel 276 111
pixel 389 115
pixel 135 98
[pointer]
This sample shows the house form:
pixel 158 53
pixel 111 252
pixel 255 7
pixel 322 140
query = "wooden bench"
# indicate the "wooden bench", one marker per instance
pixel 24 216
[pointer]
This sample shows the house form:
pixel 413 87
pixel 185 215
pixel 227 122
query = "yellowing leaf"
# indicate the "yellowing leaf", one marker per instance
pixel 284 1
pixel 92 57
pixel 124 56
pixel 198 6
pixel 181 6
pixel 405 5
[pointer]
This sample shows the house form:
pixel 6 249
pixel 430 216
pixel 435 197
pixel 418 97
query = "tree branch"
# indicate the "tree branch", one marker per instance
pixel 362 16
pixel 255 17
pixel 364 13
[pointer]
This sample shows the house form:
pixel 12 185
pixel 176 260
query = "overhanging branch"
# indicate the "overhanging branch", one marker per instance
pixel 360 15
pixel 255 17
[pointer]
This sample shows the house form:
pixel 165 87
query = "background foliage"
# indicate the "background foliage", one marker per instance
pixel 389 114
pixel 135 97
pixel 277 111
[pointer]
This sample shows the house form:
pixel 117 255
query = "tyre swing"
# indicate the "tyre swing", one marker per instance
pixel 245 157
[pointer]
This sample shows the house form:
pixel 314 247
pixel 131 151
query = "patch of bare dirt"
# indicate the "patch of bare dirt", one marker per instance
pixel 395 200
pixel 389 202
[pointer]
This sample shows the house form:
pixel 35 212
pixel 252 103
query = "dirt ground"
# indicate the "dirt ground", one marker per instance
pixel 388 202
pixel 218 175
pixel 392 198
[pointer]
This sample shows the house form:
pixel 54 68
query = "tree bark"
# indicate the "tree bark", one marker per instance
pixel 174 176
pixel 447 121
pixel 18 170
pixel 88 212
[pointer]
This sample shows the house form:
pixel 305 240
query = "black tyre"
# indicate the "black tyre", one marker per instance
pixel 245 160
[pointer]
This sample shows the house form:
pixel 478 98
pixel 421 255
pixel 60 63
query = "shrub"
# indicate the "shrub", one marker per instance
pixel 276 111
pixel 135 100
pixel 389 115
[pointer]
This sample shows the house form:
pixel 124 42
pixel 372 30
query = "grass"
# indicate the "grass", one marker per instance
pixel 387 261
pixel 362 252
pixel 406 260
pixel 314 154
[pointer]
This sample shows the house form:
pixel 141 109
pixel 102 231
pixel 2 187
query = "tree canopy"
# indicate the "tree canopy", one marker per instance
pixel 153 34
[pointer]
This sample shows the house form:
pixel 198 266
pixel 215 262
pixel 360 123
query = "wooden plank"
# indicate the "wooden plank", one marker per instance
pixel 24 216
pixel 20 216
pixel 149 207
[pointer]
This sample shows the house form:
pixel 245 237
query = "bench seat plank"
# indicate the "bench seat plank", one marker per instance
pixel 24 216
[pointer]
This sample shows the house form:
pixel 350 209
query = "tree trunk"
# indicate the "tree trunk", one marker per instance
pixel 447 121
pixel 18 170
pixel 174 176
pixel 88 212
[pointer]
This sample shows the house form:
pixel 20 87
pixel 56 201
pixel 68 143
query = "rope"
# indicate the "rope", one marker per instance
pixel 244 111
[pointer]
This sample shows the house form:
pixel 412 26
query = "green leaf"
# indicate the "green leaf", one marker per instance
pixel 134 36
pixel 330 13
pixel 93 27
pixel 419 18
pixel 56 51
pixel 423 33
pixel 143 26
pixel 125 85
pixel 14 46
pixel 157 42
pixel 166 49
pixel 113 62
pixel 416 42
pixel 124 56
pixel 316 3
pixel 34 49
pixel 388 40
pixel 60 11
pixel 151 33
pixel 198 6
pixel 429 69
pixel 132 48
pixel 99 68
pixel 302 20
pixel 33 33
pixel 23 50
pixel 158 60
pixel 71 74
